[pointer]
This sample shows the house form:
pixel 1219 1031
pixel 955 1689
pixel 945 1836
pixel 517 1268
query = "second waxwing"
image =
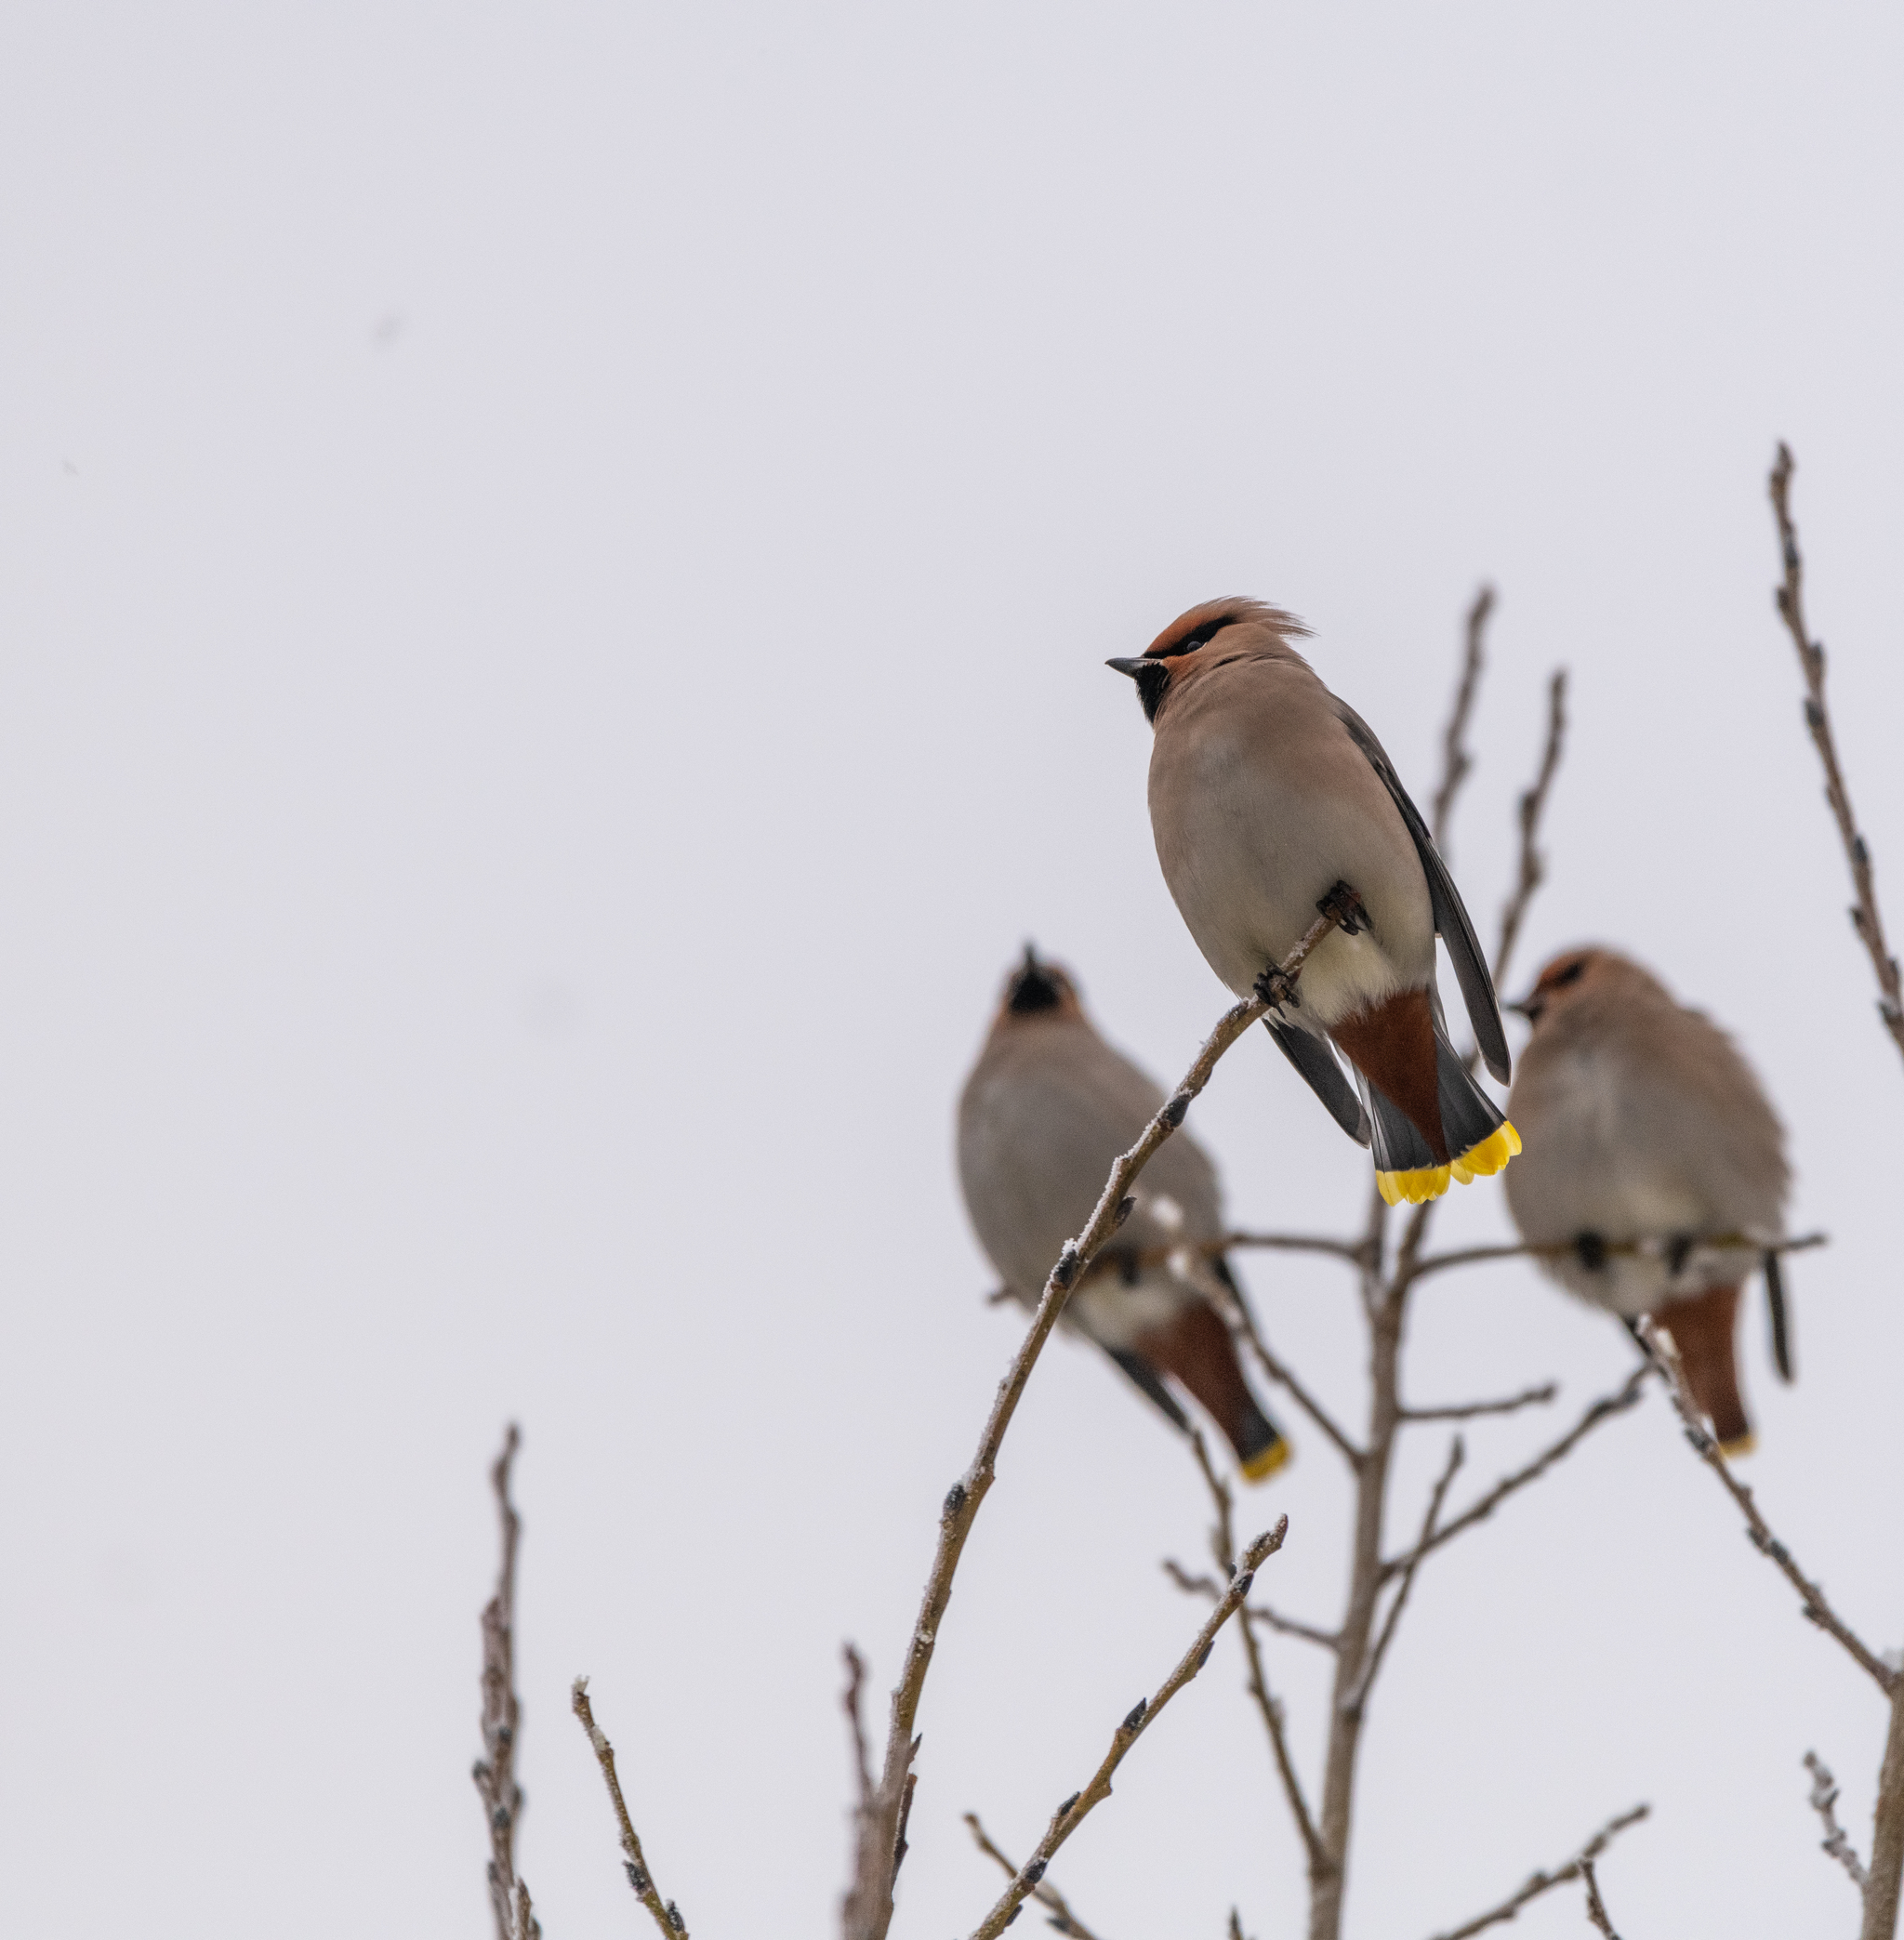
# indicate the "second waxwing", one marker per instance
pixel 1048 1109
pixel 1268 798
pixel 1647 1136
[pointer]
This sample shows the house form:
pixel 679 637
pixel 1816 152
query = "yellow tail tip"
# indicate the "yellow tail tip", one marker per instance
pixel 1480 1161
pixel 1422 1183
pixel 1265 1462
pixel 1743 1445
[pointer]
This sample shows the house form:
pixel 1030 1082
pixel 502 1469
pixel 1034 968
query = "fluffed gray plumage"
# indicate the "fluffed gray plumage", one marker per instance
pixel 1644 1125
pixel 1048 1109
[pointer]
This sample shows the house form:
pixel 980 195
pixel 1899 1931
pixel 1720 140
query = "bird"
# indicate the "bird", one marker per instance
pixel 1648 1134
pixel 1048 1109
pixel 1270 800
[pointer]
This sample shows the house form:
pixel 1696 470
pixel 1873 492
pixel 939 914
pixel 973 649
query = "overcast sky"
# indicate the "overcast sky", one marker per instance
pixel 555 565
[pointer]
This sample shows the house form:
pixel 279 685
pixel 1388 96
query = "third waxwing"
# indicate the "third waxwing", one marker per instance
pixel 1047 1110
pixel 1268 797
pixel 1644 1125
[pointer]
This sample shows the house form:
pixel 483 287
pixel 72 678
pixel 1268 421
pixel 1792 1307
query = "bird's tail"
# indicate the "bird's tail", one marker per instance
pixel 1411 1162
pixel 1194 1347
pixel 1703 1331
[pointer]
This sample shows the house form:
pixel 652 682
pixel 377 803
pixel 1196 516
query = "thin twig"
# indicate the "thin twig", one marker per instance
pixel 1658 1343
pixel 1079 1806
pixel 1824 1801
pixel 871 1897
pixel 1469 1411
pixel 1243 1323
pixel 1790 599
pixel 1044 1892
pixel 1543 1881
pixel 1602 1410
pixel 1357 1697
pixel 1596 1906
pixel 1456 761
pixel 1349 1251
pixel 1194 1585
pixel 1533 805
pixel 496 1770
pixel 1665 1246
pixel 1222 1549
pixel 666 1914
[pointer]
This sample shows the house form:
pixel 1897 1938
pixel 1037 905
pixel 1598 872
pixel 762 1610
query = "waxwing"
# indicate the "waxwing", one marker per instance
pixel 1268 799
pixel 1647 1136
pixel 1046 1112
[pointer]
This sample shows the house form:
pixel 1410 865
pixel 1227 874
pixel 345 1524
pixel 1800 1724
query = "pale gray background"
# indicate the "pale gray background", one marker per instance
pixel 554 568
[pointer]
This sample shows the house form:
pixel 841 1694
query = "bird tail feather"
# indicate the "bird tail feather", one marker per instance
pixel 1478 1136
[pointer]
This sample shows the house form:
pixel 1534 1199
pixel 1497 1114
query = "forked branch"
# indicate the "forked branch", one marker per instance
pixel 1141 1715
pixel 870 1900
pixel 1579 1868
pixel 1602 1410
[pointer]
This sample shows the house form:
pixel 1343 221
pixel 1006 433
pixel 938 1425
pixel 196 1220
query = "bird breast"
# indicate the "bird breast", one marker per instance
pixel 1259 804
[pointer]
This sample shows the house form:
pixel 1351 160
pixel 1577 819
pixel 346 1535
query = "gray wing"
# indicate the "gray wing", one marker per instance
pixel 1451 916
pixel 1320 1072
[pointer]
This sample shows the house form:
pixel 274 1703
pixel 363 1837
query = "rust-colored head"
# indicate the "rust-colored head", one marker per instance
pixel 1037 989
pixel 1588 969
pixel 1177 652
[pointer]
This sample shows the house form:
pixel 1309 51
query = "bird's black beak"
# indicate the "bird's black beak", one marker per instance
pixel 1129 668
pixel 1528 1007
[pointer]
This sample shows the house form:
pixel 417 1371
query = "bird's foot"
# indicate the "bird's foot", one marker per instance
pixel 1678 1251
pixel 1276 987
pixel 1591 1250
pixel 1345 906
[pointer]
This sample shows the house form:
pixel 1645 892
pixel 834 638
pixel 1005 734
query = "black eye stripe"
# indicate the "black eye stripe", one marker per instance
pixel 1200 638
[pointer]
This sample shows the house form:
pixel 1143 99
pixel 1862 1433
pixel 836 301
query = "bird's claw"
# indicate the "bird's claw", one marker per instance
pixel 1592 1251
pixel 1276 987
pixel 1345 906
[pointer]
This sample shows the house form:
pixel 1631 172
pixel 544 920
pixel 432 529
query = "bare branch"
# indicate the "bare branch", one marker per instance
pixel 1253 1612
pixel 1243 1325
pixel 1235 1928
pixel 1790 599
pixel 862 1760
pixel 496 1770
pixel 1541 1882
pixel 1665 1246
pixel 1602 1410
pixel 1351 1252
pixel 1269 1708
pixel 1357 1697
pixel 1658 1343
pixel 1469 1411
pixel 871 1899
pixel 1044 1892
pixel 1533 805
pixel 1596 1906
pixel 1824 1801
pixel 1455 759
pixel 1887 1830
pixel 1289 1626
pixel 1079 1806
pixel 666 1914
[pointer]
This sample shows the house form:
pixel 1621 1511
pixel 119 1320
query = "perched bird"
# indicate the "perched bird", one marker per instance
pixel 1647 1134
pixel 1270 800
pixel 1048 1109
